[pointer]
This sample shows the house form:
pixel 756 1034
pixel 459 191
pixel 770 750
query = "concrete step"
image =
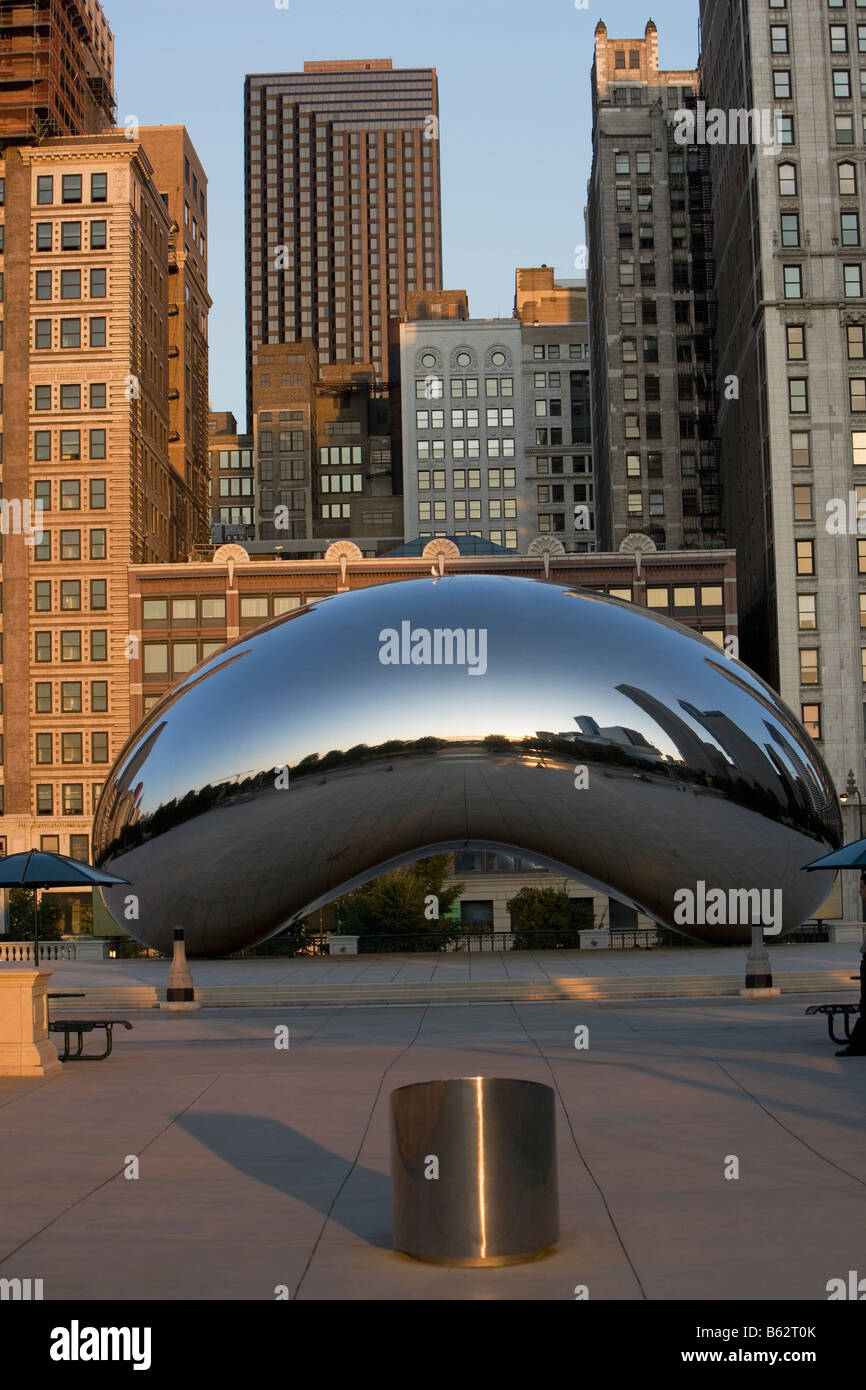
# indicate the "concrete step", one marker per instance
pixel 459 991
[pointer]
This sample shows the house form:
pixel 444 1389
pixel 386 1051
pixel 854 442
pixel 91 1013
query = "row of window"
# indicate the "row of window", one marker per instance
pixel 780 41
pixel 462 478
pixel 45 283
pixel 70 236
pixel 69 547
pixel 437 478
pixel 234 458
pixel 71 798
pixel 467 448
pixel 71 189
pixel 67 596
pixel 507 539
pixel 71 748
pixel 69 493
pixel 70 646
pixel 805 558
pixel 497 509
pixel 70 697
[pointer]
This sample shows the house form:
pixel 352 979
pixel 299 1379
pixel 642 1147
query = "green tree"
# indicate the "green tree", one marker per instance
pixel 21 916
pixel 399 904
pixel 547 911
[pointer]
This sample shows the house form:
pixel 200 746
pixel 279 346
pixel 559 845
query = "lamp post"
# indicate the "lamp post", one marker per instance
pixel 852 790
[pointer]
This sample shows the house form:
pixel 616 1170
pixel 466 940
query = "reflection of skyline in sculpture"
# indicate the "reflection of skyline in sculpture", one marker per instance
pixel 616 735
pixel 389 764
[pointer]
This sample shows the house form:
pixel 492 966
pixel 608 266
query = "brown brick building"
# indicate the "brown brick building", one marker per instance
pixel 56 69
pixel 86 435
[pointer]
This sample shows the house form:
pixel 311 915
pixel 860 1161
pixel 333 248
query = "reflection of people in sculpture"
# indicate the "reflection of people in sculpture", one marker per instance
pixel 857 1046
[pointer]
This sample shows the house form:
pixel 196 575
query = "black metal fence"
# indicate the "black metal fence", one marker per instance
pixel 475 942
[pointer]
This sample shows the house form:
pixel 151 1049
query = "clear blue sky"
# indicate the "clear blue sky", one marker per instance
pixel 515 118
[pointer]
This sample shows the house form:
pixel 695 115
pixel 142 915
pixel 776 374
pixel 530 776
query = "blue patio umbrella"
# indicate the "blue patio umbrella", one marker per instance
pixel 851 856
pixel 37 868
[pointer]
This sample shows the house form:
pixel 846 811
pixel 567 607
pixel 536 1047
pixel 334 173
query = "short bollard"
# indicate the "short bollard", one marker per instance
pixel 473 1166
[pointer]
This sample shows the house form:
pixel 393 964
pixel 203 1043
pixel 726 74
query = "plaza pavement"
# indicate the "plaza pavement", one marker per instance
pixel 261 1168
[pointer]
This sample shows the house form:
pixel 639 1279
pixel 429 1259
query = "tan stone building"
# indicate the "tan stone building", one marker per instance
pixel 87 428
pixel 56 69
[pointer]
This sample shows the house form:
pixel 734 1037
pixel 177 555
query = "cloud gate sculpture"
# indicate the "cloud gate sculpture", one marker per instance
pixel 378 726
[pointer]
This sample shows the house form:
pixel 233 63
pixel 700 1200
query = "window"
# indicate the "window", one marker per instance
pixel 99 645
pixel 97 332
pixel 44 799
pixel 98 595
pixel 800 450
pixel 70 495
pixel 803 502
pixel 857 392
pixel 70 333
pixel 42 335
pixel 853 281
pixel 70 646
pixel 98 236
pixel 70 444
pixel 798 396
pixel 70 236
pixel 43 284
pixel 850 226
pixel 44 236
pixel 154 610
pixel 856 334
pixel 97 284
pixel 847 180
pixel 70 697
pixel 785 129
pixel 98 397
pixel 844 130
pixel 70 595
pixel 782 83
pixel 805 557
pixel 99 747
pixel 97 494
pixel 70 284
pixel 44 189
pixel 254 606
pixel 185 656
pixel 155 661
pixel 72 795
pixel 807 612
pixel 44 693
pixel 788 180
pixel 795 336
pixel 841 83
pixel 779 38
pixel 838 38
pixel 97 444
pixel 99 188
pixel 71 748
pixel 70 545
pixel 793 281
pixel 42 596
pixel 71 185
pixel 790 228
pixel 811 719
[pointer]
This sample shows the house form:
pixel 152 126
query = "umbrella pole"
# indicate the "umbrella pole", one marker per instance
pixel 36 927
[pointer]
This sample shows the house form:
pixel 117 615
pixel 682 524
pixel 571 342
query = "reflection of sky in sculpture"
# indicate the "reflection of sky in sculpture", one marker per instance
pixel 571 677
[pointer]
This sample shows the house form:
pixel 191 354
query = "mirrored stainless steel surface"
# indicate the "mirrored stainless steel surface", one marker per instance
pixel 591 735
pixel 473 1170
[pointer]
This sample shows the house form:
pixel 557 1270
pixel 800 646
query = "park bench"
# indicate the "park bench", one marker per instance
pixel 831 1010
pixel 67 1026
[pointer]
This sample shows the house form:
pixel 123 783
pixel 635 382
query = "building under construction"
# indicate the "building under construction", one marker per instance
pixel 56 70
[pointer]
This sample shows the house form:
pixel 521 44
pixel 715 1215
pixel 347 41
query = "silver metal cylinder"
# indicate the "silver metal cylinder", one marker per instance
pixel 473 1165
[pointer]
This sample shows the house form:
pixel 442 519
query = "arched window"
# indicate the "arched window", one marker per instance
pixel 788 180
pixel 847 179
